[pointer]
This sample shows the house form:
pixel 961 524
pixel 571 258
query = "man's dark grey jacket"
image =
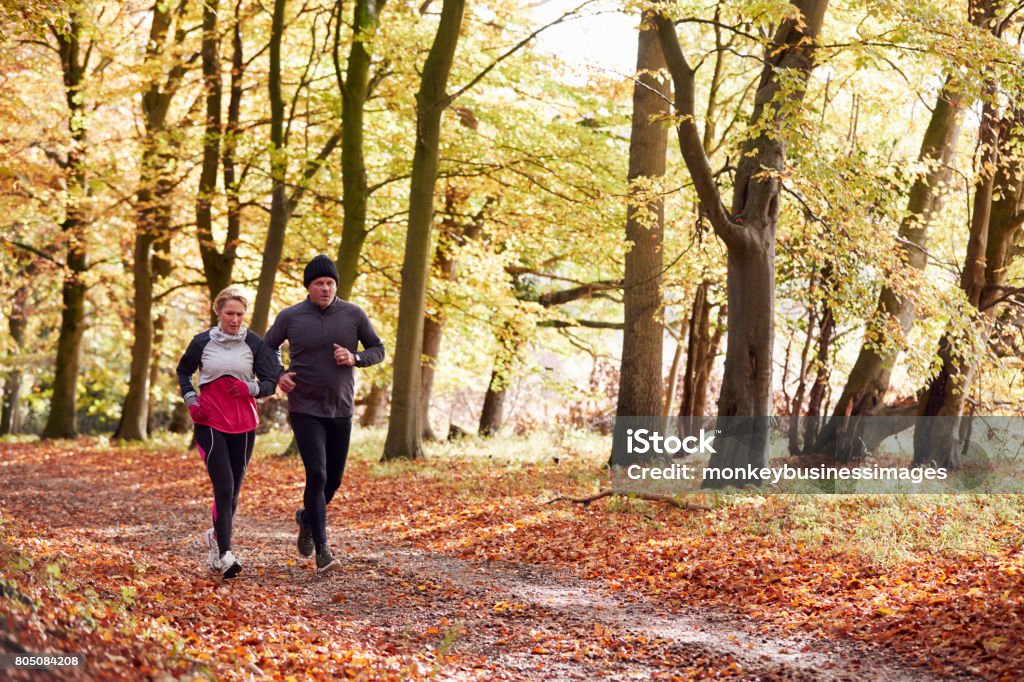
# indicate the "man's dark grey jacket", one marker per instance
pixel 323 388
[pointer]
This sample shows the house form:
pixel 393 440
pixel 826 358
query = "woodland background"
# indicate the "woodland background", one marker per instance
pixel 806 209
pixel 526 234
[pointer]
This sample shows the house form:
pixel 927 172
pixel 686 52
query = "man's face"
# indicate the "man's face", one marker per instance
pixel 322 291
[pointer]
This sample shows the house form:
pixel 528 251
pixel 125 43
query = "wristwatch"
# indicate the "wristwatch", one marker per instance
pixel 357 357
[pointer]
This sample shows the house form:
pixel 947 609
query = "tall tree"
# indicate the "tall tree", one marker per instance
pixel 221 265
pixel 162 268
pixel 640 374
pixel 153 212
pixel 870 376
pixel 274 246
pixel 62 420
pixel 453 235
pixel 355 88
pixel 702 341
pixel 282 204
pixel 703 335
pixel 219 261
pixel 826 322
pixel 748 228
pixel 996 220
pixel 405 431
pixel 492 414
pixel 17 321
pixel 216 266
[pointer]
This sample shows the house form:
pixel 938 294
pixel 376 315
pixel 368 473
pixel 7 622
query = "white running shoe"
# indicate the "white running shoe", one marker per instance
pixel 213 553
pixel 227 565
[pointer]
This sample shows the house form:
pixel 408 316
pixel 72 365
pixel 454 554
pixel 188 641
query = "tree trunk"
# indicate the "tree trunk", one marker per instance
pixel 702 345
pixel 433 325
pixel 219 263
pixel 282 204
pixel 640 373
pixel 433 329
pixel 819 389
pixel 746 381
pixel 181 422
pixel 870 377
pixel 797 404
pixel 217 275
pixel 748 228
pixel 273 247
pixel 135 415
pixel 492 416
pixel 153 218
pixel 376 404
pixel 701 348
pixel 354 91
pixel 17 321
pixel 62 420
pixel 820 324
pixel 152 226
pixel 493 413
pixel 404 428
pixel 222 271
pixel 451 238
pixel 997 217
pixel 673 372
pixel 161 271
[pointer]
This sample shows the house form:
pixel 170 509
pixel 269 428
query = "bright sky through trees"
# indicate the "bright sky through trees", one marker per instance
pixel 601 39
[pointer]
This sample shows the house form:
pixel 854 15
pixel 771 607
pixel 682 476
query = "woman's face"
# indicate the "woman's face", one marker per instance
pixel 231 315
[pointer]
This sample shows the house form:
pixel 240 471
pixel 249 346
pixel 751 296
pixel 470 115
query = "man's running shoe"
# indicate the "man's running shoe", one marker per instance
pixel 304 542
pixel 325 561
pixel 213 553
pixel 227 565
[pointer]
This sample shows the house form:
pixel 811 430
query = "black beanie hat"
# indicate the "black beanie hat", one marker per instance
pixel 320 266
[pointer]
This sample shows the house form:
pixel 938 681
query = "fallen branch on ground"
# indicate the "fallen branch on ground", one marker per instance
pixel 667 499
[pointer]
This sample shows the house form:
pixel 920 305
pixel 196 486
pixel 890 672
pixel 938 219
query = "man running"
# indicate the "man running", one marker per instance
pixel 323 334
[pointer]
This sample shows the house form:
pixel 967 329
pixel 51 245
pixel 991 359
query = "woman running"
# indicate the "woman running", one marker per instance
pixel 230 359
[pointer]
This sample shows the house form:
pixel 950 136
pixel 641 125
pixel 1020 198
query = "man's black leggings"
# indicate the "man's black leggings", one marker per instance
pixel 323 445
pixel 226 456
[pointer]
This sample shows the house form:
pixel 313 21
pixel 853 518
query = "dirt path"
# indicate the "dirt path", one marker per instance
pixel 434 614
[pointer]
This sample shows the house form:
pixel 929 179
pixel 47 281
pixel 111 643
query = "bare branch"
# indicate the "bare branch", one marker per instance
pixel 690 142
pixel 554 298
pixel 590 324
pixel 667 499
pixel 31 249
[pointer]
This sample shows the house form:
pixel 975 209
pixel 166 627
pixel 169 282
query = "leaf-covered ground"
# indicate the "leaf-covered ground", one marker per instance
pixel 457 568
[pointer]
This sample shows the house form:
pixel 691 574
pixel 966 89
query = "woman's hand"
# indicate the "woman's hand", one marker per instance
pixel 197 413
pixel 237 388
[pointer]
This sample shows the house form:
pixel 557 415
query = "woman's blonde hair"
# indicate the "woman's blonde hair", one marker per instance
pixel 231 293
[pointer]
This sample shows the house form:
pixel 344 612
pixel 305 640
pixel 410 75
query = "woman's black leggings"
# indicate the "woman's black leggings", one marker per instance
pixel 323 444
pixel 226 456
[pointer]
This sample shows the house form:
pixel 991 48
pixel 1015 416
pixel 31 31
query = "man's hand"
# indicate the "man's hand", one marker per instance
pixel 197 413
pixel 343 356
pixel 237 388
pixel 287 382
